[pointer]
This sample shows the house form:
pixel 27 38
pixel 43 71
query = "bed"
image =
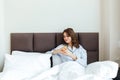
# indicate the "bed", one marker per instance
pixel 40 43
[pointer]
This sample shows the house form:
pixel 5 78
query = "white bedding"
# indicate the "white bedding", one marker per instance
pixel 0 74
pixel 87 77
pixel 65 71
pixel 19 66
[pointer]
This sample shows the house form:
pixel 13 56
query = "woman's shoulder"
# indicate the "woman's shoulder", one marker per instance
pixel 60 46
pixel 81 47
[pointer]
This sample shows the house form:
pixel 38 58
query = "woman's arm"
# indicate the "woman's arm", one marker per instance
pixel 74 57
pixel 58 49
pixel 82 57
pixel 63 50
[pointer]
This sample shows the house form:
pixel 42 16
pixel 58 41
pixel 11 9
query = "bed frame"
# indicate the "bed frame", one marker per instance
pixel 42 42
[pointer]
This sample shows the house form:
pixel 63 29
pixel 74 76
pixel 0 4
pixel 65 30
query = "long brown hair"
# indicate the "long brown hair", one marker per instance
pixel 70 32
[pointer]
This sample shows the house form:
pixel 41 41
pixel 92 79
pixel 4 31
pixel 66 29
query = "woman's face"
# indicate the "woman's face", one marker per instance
pixel 67 38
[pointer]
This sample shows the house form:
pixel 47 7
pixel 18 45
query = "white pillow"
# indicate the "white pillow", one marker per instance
pixel 23 53
pixel 105 69
pixel 27 63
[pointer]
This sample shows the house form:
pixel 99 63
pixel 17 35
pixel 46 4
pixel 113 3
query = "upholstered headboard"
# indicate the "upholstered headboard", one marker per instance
pixel 42 42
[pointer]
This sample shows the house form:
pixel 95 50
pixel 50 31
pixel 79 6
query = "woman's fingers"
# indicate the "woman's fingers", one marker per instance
pixel 64 48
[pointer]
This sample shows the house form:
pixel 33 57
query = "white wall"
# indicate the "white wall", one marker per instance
pixel 2 38
pixel 52 15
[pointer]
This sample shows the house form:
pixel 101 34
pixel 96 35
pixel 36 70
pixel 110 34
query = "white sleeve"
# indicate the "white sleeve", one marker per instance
pixel 58 47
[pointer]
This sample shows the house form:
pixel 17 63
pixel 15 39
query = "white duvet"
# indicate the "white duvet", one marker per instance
pixel 67 71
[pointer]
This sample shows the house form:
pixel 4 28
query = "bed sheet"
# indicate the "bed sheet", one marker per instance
pixel 58 72
pixel 0 74
pixel 62 72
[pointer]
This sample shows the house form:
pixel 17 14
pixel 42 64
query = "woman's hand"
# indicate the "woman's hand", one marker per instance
pixel 65 51
pixel 62 50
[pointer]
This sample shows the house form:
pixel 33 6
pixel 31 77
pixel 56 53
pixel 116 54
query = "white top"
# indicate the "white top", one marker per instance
pixel 79 52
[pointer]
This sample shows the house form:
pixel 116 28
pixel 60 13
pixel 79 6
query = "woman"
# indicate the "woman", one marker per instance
pixel 71 50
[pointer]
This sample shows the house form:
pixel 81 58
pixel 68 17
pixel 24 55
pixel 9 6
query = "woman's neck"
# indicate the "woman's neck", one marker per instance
pixel 70 45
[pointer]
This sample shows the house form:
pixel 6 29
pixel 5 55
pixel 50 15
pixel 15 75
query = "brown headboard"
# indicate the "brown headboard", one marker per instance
pixel 42 42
